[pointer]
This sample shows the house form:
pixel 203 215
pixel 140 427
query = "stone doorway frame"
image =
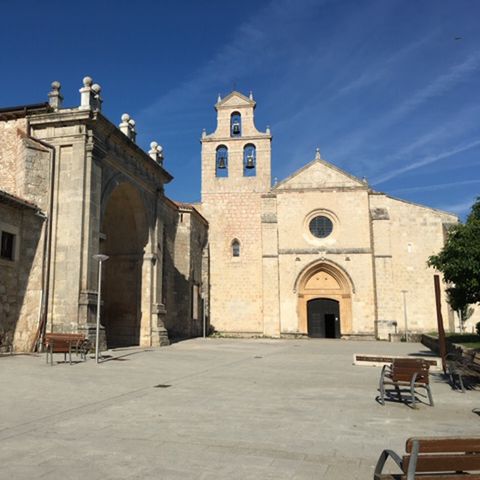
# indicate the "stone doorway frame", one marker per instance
pixel 343 295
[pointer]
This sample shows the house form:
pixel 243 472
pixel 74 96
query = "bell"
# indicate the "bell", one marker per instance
pixel 250 162
pixel 236 128
pixel 222 164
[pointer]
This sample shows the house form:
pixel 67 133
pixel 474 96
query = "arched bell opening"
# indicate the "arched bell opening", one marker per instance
pixel 125 233
pixel 221 161
pixel 235 124
pixel 324 301
pixel 249 160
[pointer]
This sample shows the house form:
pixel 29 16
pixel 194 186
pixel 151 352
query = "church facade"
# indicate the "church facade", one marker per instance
pixel 74 186
pixel 320 254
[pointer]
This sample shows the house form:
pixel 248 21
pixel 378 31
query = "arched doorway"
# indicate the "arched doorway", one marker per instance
pixel 324 301
pixel 323 318
pixel 124 236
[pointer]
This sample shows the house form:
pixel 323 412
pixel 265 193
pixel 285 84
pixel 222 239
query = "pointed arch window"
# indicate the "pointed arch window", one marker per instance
pixel 221 161
pixel 235 248
pixel 236 124
pixel 249 160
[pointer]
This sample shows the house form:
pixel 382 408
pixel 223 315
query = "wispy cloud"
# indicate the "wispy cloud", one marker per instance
pixel 460 208
pixel 438 86
pixel 450 128
pixel 253 48
pixel 378 70
pixel 425 161
pixel 437 186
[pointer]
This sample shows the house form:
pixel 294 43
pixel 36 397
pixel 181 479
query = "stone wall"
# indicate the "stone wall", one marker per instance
pixel 11 159
pixel 21 278
pixel 405 235
pixel 185 240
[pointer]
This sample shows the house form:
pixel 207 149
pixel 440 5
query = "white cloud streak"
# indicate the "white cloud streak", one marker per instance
pixel 425 161
pixel 460 208
pixel 377 72
pixel 436 187
pixel 436 87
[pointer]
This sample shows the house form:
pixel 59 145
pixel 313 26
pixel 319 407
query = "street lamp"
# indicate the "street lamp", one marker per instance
pixel 100 259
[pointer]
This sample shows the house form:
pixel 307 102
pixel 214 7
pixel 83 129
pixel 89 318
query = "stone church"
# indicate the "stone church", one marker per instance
pixel 319 254
pixel 74 185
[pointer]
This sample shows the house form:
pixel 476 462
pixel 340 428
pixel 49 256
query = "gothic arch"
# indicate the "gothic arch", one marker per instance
pixel 324 279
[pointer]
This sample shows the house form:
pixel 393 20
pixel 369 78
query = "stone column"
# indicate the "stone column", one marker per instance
pixel 159 332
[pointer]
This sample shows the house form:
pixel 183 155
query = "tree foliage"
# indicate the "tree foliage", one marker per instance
pixel 459 261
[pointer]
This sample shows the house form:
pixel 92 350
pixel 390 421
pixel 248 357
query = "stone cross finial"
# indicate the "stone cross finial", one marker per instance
pixel 156 152
pixel 55 98
pixel 317 154
pixel 127 127
pixel 86 94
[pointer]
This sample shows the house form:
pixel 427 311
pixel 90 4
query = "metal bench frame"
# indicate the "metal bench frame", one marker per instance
pixel 394 375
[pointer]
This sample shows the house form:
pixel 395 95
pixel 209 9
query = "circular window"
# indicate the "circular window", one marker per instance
pixel 320 226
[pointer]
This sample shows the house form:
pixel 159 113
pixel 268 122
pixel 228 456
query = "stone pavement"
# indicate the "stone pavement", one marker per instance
pixel 233 409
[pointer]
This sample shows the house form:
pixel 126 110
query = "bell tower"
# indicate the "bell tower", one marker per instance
pixel 236 173
pixel 236 157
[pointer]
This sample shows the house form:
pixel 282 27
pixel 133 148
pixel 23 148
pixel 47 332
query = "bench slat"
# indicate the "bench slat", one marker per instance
pixel 444 463
pixel 445 444
pixel 448 476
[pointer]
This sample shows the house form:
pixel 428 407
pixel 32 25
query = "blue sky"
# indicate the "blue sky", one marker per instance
pixel 387 89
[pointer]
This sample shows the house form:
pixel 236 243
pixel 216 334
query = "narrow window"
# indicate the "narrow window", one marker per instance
pixel 221 161
pixel 249 160
pixel 235 248
pixel 235 124
pixel 7 249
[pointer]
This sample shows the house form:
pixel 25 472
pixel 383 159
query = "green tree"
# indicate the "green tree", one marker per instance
pixel 459 261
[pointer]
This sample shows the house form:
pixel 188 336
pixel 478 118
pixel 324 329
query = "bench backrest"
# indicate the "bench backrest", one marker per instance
pixel 476 360
pixel 62 342
pixel 72 336
pixel 403 370
pixel 444 454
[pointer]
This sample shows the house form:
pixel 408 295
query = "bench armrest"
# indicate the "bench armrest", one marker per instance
pixel 412 464
pixel 383 458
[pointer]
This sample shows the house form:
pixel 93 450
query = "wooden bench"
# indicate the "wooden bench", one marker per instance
pixel 462 365
pixel 434 458
pixel 66 343
pixel 405 372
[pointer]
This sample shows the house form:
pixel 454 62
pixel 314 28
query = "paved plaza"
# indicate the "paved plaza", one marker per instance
pixel 214 409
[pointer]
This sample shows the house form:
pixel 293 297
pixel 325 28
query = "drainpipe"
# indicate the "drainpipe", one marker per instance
pixel 47 249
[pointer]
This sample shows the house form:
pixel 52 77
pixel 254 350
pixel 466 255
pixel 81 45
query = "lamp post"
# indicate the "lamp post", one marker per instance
pixel 100 259
pixel 404 292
